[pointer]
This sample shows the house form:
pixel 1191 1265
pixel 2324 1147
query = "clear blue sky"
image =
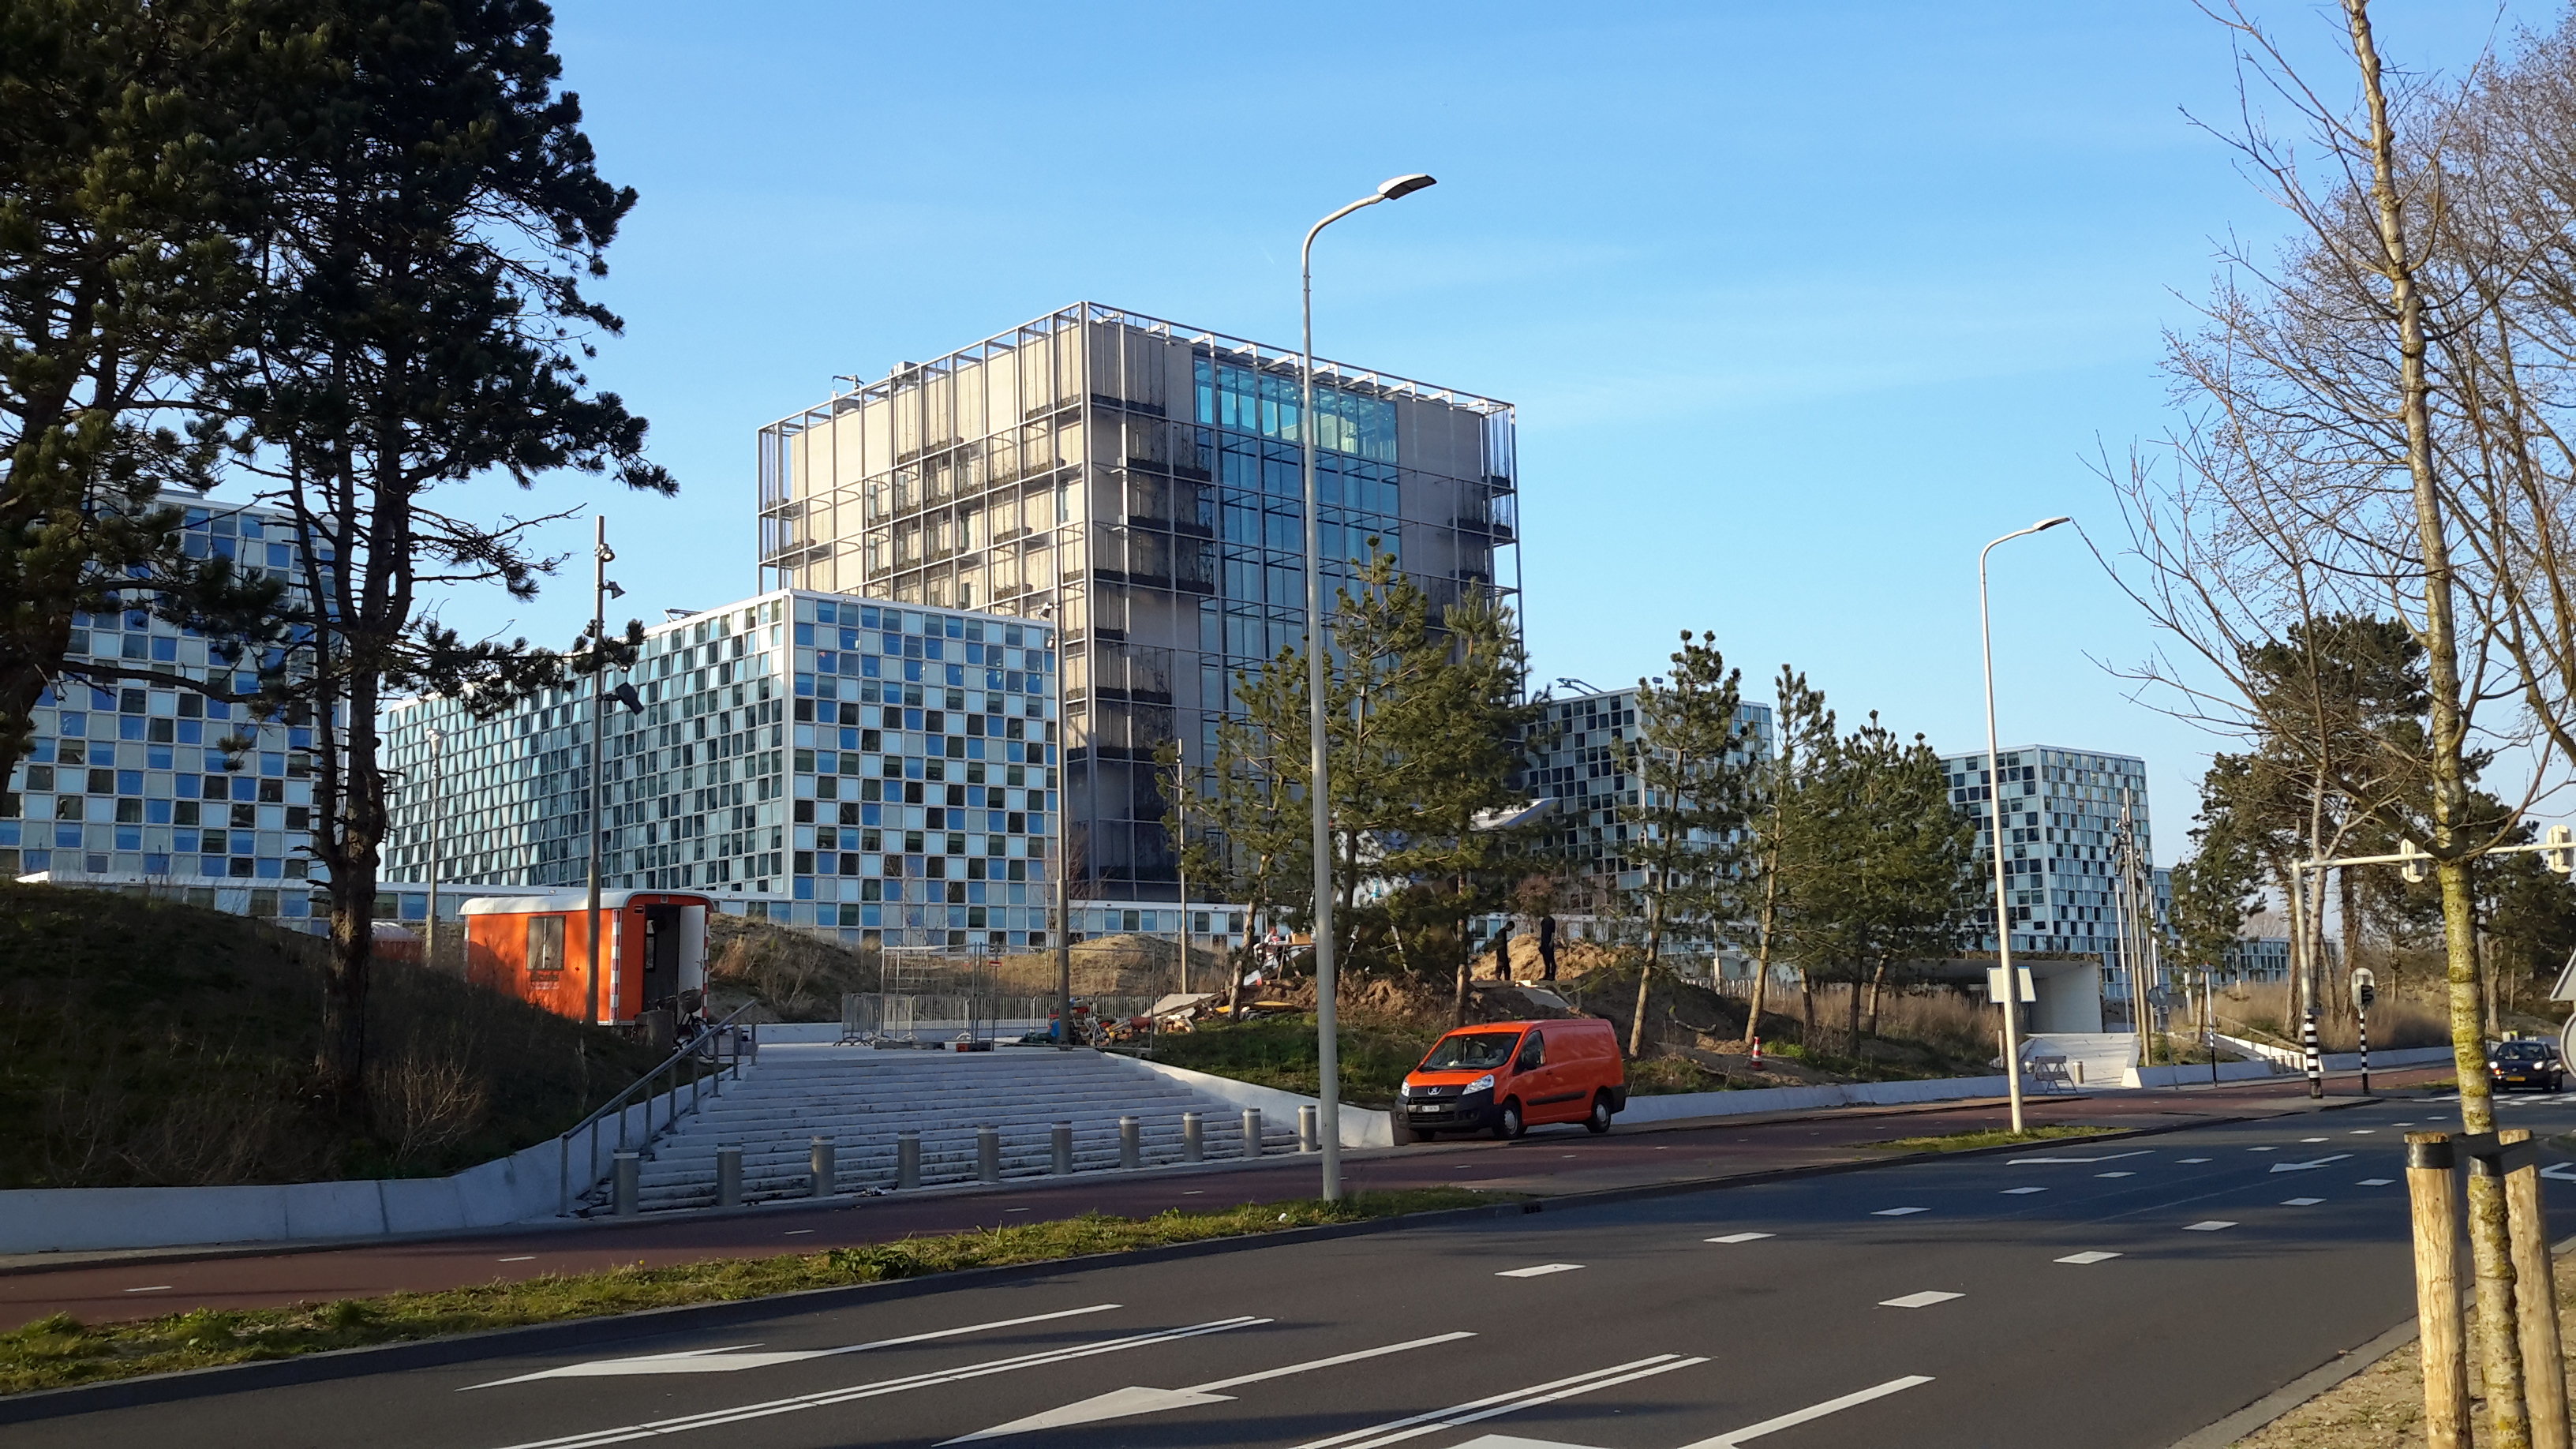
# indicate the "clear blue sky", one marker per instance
pixel 1800 304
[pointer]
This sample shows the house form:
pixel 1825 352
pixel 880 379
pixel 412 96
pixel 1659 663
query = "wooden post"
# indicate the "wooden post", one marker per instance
pixel 2544 1374
pixel 2429 1159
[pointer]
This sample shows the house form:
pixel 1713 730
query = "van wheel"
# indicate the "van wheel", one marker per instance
pixel 1599 1121
pixel 1507 1122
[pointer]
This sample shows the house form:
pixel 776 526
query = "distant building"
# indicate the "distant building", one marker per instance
pixel 2061 818
pixel 1142 480
pixel 1579 760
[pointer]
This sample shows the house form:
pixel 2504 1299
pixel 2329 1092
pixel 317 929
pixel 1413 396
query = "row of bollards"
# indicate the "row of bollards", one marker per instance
pixel 823 1175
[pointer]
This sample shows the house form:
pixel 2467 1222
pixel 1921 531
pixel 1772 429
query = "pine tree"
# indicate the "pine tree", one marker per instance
pixel 1770 862
pixel 1691 766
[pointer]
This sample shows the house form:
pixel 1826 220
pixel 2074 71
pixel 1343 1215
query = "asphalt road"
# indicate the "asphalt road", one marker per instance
pixel 1550 1162
pixel 2113 1294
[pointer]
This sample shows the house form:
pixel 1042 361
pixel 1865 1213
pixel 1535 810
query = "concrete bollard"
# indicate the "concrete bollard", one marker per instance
pixel 988 1154
pixel 728 1177
pixel 1306 1118
pixel 1131 1143
pixel 1252 1132
pixel 629 1174
pixel 822 1168
pixel 1193 1144
pixel 1063 1135
pixel 907 1159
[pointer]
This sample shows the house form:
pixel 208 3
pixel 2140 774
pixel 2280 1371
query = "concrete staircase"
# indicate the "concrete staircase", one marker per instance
pixel 862 1098
pixel 2103 1056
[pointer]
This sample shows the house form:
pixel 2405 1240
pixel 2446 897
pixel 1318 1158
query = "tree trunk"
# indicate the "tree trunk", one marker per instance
pixel 1806 1007
pixel 2348 909
pixel 1646 972
pixel 1762 956
pixel 1877 986
pixel 344 987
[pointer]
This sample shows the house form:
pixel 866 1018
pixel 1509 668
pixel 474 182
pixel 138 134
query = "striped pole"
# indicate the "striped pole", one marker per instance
pixel 2316 1064
pixel 2363 1012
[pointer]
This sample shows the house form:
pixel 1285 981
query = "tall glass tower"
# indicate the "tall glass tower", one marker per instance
pixel 1137 480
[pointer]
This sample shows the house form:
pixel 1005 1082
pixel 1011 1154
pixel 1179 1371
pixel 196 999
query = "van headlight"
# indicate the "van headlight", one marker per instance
pixel 1484 1083
pixel 1403 1090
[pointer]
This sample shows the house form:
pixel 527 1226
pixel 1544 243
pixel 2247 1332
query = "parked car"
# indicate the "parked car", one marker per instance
pixel 2529 1061
pixel 1504 1076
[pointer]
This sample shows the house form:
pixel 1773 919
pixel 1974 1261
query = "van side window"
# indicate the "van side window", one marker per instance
pixel 545 944
pixel 1532 1053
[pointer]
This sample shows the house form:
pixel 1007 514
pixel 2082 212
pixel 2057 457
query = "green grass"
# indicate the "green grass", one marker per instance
pixel 58 1351
pixel 148 1043
pixel 1280 1052
pixel 1990 1137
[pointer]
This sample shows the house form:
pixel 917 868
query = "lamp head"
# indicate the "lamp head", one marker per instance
pixel 2045 524
pixel 1396 188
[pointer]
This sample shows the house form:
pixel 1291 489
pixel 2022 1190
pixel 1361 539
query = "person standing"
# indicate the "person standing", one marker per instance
pixel 1547 947
pixel 1503 950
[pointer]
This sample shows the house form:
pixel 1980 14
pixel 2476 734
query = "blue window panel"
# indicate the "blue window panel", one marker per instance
pixel 271 868
pixel 156 865
pixel 129 837
pixel 871 915
pixel 871 814
pixel 156 812
pixel 67 837
pixel 956 674
pixel 9 832
pixel 245 788
pixel 157 757
pixel 129 726
pixel 129 782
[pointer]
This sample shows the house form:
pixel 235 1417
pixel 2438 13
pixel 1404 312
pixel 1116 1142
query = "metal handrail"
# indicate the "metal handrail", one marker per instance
pixel 710 1044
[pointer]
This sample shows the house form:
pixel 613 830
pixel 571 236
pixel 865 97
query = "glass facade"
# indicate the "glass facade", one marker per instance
pixel 2061 819
pixel 880 773
pixel 1579 760
pixel 1140 482
pixel 147 783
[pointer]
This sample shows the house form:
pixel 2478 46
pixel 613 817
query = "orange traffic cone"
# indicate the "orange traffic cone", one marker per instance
pixel 1757 1053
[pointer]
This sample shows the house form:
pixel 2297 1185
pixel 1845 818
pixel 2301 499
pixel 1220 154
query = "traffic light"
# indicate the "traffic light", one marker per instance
pixel 2561 854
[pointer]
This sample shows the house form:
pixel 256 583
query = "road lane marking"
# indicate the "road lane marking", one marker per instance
pixel 155 1288
pixel 2563 1171
pixel 2192 1159
pixel 2314 1139
pixel 1898 1212
pixel 730 1360
pixel 2363 1131
pixel 2106 1157
pixel 2375 1182
pixel 1126 1402
pixel 1924 1299
pixel 2208 1225
pixel 2115 1174
pixel 1810 1414
pixel 1739 1238
pixel 1539 1271
pixel 797 1232
pixel 2301 1201
pixel 2094 1255
pixel 1397 1430
pixel 715 1418
pixel 2304 1166
pixel 2022 1191
pixel 2262 1149
pixel 522 1258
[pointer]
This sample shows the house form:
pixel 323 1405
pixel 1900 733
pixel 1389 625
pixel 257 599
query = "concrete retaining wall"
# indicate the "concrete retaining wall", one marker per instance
pixel 2186 1075
pixel 1361 1126
pixel 522 1186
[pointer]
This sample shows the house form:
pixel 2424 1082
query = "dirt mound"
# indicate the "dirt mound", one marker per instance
pixel 1120 965
pixel 787 975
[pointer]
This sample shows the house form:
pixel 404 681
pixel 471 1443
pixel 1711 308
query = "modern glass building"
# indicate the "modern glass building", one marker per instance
pixel 2061 822
pixel 1139 481
pixel 1578 759
pixel 872 771
pixel 146 783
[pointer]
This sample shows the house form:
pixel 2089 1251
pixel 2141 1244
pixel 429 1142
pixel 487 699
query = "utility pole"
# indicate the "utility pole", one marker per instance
pixel 429 929
pixel 1063 833
pixel 600 555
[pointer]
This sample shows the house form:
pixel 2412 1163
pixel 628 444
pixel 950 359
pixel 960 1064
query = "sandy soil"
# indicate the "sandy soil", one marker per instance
pixel 2382 1407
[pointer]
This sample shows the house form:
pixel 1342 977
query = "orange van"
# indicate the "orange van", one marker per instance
pixel 1508 1075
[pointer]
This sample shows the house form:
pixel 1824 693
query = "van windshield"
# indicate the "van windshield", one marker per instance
pixel 1470 1052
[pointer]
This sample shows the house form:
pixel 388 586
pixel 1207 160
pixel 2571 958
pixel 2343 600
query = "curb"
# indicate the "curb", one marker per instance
pixel 184 1384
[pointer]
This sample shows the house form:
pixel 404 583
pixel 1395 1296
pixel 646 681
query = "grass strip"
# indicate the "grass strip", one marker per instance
pixel 61 1350
pixel 1989 1137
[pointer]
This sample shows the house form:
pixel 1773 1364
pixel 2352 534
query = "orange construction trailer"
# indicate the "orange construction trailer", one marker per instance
pixel 652 949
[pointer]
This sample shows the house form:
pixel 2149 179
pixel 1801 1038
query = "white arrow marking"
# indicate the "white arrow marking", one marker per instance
pixel 2563 1171
pixel 2304 1166
pixel 2111 1157
pixel 1396 1430
pixel 1123 1403
pixel 732 1360
pixel 719 1417
pixel 1540 1271
pixel 1811 1413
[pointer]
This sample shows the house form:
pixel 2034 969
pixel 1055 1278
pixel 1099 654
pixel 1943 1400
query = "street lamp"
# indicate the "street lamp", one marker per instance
pixel 600 588
pixel 1995 799
pixel 1327 1054
pixel 1063 839
pixel 429 934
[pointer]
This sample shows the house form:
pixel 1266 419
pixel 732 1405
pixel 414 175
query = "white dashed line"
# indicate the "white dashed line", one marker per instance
pixel 1739 1238
pixel 2193 1159
pixel 1539 1271
pixel 1898 1212
pixel 155 1288
pixel 2363 1131
pixel 2375 1182
pixel 2115 1174
pixel 2208 1225
pixel 2316 1139
pixel 1919 1300
pixel 2093 1256
pixel 2262 1149
pixel 522 1258
pixel 2019 1191
pixel 2301 1201
pixel 798 1232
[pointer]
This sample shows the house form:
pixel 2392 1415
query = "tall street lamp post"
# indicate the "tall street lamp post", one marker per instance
pixel 600 589
pixel 1318 672
pixel 429 932
pixel 1995 799
pixel 1063 835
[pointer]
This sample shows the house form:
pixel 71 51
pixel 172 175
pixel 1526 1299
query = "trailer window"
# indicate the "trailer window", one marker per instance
pixel 545 944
